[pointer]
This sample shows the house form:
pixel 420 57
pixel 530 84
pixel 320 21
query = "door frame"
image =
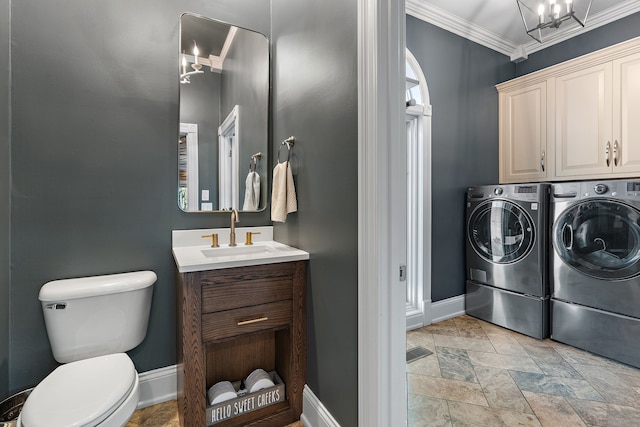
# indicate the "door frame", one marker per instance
pixel 190 131
pixel 228 161
pixel 382 393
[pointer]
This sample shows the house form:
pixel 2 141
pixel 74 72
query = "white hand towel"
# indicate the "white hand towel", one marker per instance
pixel 251 192
pixel 283 195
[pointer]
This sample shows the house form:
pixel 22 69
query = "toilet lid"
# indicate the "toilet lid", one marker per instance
pixel 81 393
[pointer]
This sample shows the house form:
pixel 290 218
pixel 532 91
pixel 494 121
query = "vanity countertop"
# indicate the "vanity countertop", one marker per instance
pixel 192 252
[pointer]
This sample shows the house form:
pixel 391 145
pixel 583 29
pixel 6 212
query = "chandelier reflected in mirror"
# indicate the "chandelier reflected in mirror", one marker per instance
pixel 543 17
pixel 185 76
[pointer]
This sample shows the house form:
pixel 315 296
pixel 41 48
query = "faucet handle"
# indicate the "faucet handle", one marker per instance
pixel 214 239
pixel 248 237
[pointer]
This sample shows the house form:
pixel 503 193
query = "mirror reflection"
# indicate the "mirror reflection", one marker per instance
pixel 224 102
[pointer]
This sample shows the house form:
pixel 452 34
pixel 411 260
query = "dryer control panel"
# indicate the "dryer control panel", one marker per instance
pixel 617 189
pixel 524 192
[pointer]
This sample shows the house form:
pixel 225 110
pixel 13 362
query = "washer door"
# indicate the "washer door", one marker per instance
pixel 600 238
pixel 500 232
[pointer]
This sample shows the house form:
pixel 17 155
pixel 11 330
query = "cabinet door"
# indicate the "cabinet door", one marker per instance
pixel 626 115
pixel 523 134
pixel 583 122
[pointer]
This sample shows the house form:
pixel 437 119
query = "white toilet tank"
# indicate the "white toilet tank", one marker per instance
pixel 94 316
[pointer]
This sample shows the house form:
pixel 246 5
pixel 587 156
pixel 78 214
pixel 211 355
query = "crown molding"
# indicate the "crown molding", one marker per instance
pixel 477 34
pixel 462 27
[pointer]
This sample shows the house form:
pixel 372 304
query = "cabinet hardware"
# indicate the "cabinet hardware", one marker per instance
pixel 248 322
pixel 615 152
pixel 606 153
pixel 542 161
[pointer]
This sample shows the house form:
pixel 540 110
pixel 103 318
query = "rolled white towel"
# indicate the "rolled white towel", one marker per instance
pixel 220 392
pixel 258 380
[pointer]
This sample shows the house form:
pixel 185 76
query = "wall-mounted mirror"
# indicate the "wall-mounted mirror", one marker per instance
pixel 224 110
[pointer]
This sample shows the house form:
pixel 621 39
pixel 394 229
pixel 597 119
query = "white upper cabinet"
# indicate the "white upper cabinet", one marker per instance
pixel 523 134
pixel 626 115
pixel 583 122
pixel 575 120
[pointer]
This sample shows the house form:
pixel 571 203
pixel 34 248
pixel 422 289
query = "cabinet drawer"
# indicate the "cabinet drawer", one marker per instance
pixel 224 324
pixel 227 296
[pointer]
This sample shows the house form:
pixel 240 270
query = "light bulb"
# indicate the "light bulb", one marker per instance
pixel 195 51
pixel 541 14
pixel 569 5
pixel 556 11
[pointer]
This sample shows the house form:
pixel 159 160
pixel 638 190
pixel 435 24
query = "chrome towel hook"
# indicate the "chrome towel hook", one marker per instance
pixel 253 163
pixel 289 143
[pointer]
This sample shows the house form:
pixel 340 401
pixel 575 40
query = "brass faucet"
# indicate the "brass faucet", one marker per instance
pixel 232 235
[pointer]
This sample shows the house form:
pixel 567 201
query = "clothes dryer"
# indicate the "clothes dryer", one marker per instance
pixel 507 274
pixel 596 267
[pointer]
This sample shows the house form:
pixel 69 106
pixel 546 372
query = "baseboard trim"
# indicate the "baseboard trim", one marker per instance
pixel 314 413
pixel 157 386
pixel 447 308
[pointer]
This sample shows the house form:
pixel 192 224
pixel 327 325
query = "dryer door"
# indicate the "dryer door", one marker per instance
pixel 500 231
pixel 600 239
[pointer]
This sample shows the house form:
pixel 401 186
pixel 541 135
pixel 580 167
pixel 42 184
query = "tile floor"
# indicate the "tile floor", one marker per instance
pixel 483 375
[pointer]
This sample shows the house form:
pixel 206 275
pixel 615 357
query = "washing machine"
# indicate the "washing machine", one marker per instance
pixel 595 264
pixel 506 256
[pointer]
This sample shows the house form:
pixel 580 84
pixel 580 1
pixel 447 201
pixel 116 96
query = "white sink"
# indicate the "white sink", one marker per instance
pixel 192 252
pixel 237 251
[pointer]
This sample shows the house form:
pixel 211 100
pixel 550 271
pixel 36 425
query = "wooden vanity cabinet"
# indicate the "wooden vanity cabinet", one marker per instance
pixel 232 321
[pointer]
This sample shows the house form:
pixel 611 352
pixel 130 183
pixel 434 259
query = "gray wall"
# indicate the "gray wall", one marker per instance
pixel 461 76
pixel 95 121
pixel 315 100
pixel 5 180
pixel 615 32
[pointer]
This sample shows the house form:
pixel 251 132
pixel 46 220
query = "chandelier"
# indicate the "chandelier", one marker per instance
pixel 185 76
pixel 541 18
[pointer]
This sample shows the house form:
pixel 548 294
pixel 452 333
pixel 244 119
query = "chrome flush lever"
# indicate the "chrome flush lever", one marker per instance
pixel 56 306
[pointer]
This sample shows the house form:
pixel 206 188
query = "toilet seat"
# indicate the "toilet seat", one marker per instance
pixel 83 393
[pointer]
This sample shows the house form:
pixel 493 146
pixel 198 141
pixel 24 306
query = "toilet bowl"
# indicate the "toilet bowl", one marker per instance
pixel 90 323
pixel 100 391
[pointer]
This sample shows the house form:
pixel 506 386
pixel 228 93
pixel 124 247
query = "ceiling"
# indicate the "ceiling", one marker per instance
pixel 497 24
pixel 209 34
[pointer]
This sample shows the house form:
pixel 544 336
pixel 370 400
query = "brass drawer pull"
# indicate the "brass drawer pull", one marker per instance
pixel 248 322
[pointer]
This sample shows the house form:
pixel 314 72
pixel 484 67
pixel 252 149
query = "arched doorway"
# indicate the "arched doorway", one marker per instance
pixel 418 131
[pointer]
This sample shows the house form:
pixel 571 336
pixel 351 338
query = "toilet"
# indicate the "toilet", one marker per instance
pixel 91 322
